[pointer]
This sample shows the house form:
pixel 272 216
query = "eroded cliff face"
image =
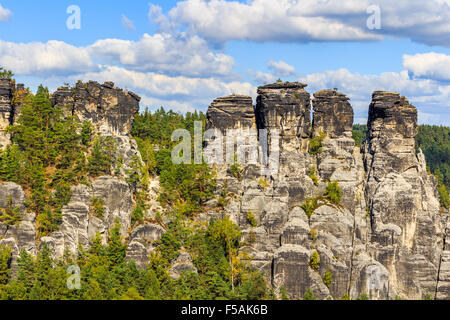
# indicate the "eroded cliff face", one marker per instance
pixel 384 239
pixel 111 111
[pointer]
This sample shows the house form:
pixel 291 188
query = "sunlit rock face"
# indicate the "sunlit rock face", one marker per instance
pixel 285 106
pixel 6 110
pixel 109 108
pixel 385 237
pixel 406 225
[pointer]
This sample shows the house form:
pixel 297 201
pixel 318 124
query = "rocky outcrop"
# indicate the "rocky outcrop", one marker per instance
pixel 286 107
pixel 182 264
pixel 231 112
pixel 406 227
pixel 333 114
pixel 21 236
pixel 111 111
pixel 109 108
pixel 385 237
pixel 6 109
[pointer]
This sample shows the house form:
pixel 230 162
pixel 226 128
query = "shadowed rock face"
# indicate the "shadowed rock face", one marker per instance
pixel 231 112
pixel 333 114
pixel 385 238
pixel 406 225
pixel 6 109
pixel 285 106
pixel 109 108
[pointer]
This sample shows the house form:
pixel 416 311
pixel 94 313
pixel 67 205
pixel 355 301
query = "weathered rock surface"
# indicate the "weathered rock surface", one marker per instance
pixel 285 107
pixel 182 264
pixel 6 109
pixel 109 108
pixel 333 114
pixel 384 239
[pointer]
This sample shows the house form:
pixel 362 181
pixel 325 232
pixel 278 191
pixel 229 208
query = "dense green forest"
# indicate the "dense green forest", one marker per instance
pixel 435 144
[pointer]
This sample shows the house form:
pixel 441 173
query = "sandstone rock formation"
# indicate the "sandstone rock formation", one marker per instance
pixel 6 109
pixel 109 108
pixel 111 111
pixel 386 236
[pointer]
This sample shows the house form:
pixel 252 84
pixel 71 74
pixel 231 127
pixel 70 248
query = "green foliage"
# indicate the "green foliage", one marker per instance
pixel 10 216
pixel 309 295
pixel 116 250
pixel 185 187
pixel 97 207
pixel 443 196
pixel 314 261
pixel 6 74
pixel 46 157
pixel 312 175
pixel 327 278
pixel 283 293
pixel 263 184
pixel 86 133
pixel 138 214
pixel 333 192
pixel 428 296
pixel 313 234
pixel 435 144
pixel 359 134
pixel 251 219
pixel 236 170
pixel 363 296
pixel 102 157
pixel 345 297
pixel 310 205
pixel 5 265
pixel 315 144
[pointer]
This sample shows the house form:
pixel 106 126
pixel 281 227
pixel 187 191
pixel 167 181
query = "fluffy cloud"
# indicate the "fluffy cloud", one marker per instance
pixel 165 53
pixel 430 97
pixel 428 65
pixel 257 20
pixel 282 69
pixel 52 57
pixel 5 14
pixel 175 54
pixel 426 21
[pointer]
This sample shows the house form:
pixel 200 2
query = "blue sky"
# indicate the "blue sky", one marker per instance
pixel 183 54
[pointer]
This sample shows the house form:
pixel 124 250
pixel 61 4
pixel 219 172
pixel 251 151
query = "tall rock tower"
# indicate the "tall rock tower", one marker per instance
pixel 6 110
pixel 406 226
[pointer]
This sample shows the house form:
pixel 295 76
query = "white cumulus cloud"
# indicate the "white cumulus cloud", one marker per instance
pixel 282 69
pixel 257 20
pixel 425 21
pixel 52 57
pixel 5 14
pixel 176 54
pixel 428 65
